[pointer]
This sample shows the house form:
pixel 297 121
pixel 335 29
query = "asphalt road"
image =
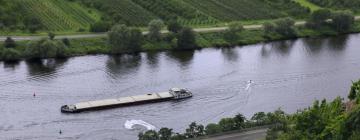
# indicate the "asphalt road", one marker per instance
pixel 258 134
pixel 94 35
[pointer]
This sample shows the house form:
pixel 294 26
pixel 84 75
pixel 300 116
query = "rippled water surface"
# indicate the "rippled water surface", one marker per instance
pixel 286 74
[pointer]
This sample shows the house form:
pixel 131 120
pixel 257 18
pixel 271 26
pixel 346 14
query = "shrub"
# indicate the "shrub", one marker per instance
pixel 125 39
pixel 227 124
pixel 318 17
pixel 51 35
pixel 285 26
pixel 269 27
pixel 66 42
pixel 9 43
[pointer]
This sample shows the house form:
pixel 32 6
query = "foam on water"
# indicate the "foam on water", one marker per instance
pixel 129 124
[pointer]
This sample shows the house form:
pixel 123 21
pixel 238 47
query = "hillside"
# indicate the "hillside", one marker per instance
pixel 79 15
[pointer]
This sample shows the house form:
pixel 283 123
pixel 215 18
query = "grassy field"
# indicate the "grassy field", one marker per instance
pixel 309 5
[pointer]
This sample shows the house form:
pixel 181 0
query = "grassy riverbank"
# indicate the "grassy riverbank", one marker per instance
pixel 204 40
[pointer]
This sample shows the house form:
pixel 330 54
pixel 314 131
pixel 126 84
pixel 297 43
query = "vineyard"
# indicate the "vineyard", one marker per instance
pixel 59 15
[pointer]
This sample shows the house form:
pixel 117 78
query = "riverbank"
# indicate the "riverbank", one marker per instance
pixel 204 39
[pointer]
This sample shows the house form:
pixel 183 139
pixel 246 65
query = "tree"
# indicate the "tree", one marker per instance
pixel 227 124
pixel 194 130
pixel 269 27
pixel 318 17
pixel 174 26
pixel 10 54
pixel 231 34
pixel 125 39
pixel 100 26
pixel 354 91
pixel 149 135
pixel 259 118
pixel 45 48
pixel 33 24
pixel 239 120
pixel 342 20
pixel 186 39
pixel 285 26
pixel 66 41
pixel 9 43
pixel 165 133
pixel 51 35
pixel 212 129
pixel 155 27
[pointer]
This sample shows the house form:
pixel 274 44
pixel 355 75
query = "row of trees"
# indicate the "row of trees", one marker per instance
pixel 195 130
pixel 129 39
pixel 339 20
pixel 337 120
pixel 43 48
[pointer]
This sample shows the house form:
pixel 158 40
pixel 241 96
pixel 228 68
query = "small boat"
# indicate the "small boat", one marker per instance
pixel 172 94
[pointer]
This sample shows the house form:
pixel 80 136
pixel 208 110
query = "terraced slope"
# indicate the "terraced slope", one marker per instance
pixel 59 15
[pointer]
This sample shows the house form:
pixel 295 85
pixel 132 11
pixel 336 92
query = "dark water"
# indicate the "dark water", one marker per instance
pixel 287 74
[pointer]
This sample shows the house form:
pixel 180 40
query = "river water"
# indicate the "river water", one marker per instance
pixel 287 74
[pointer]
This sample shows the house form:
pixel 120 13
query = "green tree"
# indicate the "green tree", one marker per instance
pixel 342 20
pixel 186 39
pixel 149 135
pixel 227 124
pixel 239 120
pixel 318 17
pixel 269 27
pixel 165 133
pixel 100 26
pixel 125 39
pixel 155 27
pixel 9 43
pixel 10 54
pixel 194 130
pixel 354 90
pixel 212 129
pixel 51 35
pixel 45 48
pixel 285 26
pixel 231 34
pixel 33 24
pixel 259 118
pixel 174 26
pixel 177 136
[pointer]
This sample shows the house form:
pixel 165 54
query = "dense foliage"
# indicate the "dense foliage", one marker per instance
pixel 45 48
pixel 125 39
pixel 324 120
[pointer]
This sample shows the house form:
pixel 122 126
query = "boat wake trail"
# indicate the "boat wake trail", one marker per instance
pixel 129 124
pixel 248 87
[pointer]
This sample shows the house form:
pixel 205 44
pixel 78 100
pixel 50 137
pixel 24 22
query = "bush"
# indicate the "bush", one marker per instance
pixel 9 43
pixel 342 20
pixel 186 39
pixel 100 26
pixel 10 54
pixel 318 18
pixel 66 42
pixel 33 24
pixel 285 26
pixel 231 34
pixel 45 48
pixel 227 124
pixel 125 39
pixel 51 35
pixel 155 27
pixel 269 27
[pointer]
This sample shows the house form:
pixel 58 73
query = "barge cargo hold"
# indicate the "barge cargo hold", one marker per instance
pixel 172 94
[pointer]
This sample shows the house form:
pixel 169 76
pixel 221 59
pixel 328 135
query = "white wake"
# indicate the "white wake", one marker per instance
pixel 129 124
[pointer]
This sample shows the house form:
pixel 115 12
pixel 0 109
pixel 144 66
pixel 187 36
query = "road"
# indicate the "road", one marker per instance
pixel 95 35
pixel 258 134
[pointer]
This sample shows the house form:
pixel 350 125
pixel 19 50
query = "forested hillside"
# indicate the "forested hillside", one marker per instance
pixel 81 15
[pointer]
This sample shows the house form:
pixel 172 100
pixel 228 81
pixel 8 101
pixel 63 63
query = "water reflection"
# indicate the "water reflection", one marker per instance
pixel 184 58
pixel 11 65
pixel 279 47
pixel 45 67
pixel 152 59
pixel 118 65
pixel 313 45
pixel 230 54
pixel 338 43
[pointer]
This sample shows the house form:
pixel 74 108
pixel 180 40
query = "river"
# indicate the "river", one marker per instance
pixel 287 74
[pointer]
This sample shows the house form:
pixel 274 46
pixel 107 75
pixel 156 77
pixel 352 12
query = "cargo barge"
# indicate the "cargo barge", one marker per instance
pixel 172 94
